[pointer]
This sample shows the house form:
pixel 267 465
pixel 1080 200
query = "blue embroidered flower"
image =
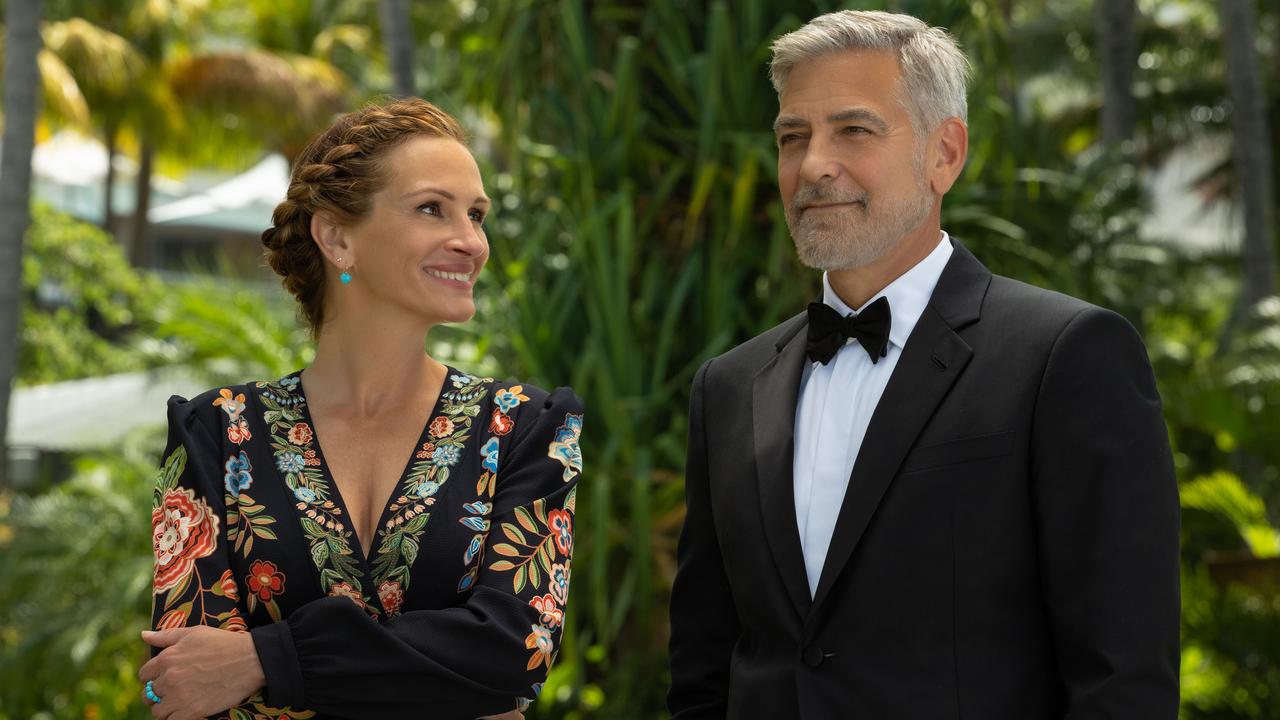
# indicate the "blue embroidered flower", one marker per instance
pixel 427 488
pixel 461 381
pixel 508 399
pixel 305 494
pixel 490 452
pixel 237 477
pixel 565 446
pixel 446 455
pixel 289 383
pixel 475 523
pixel 289 463
pixel 472 548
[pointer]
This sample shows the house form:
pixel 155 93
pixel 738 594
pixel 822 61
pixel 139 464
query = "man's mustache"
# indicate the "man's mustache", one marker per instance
pixel 818 194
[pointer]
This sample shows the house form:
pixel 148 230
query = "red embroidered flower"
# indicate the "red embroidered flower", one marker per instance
pixel 227 586
pixel 172 619
pixel 238 432
pixel 183 530
pixel 343 589
pixel 552 615
pixel 264 579
pixel 501 423
pixel 441 426
pixel 391 595
pixel 235 623
pixel 300 434
pixel 561 523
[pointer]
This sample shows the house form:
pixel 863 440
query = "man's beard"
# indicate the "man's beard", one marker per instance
pixel 855 235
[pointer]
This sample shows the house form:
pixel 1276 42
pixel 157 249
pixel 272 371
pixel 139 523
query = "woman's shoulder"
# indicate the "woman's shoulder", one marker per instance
pixel 223 404
pixel 511 396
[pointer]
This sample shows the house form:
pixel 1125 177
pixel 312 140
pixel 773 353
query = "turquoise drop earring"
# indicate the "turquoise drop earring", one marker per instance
pixel 345 277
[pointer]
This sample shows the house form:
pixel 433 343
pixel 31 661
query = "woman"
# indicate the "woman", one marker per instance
pixel 369 587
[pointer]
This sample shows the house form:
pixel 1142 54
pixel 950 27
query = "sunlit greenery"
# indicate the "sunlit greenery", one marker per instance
pixel 638 231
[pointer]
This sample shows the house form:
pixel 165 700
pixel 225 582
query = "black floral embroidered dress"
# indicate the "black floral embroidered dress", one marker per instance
pixel 457 611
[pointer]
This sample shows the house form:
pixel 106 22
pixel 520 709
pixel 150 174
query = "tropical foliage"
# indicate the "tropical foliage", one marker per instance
pixel 638 232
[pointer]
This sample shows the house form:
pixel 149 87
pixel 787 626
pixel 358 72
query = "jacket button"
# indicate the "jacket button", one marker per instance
pixel 812 656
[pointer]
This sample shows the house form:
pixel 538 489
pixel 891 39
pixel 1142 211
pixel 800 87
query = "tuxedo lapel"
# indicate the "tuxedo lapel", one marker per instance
pixel 932 360
pixel 775 392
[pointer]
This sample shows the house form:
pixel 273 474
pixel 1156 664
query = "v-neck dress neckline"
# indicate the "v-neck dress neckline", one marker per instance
pixel 377 528
pixel 343 569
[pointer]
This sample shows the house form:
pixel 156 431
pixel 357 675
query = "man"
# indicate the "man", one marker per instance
pixel 939 493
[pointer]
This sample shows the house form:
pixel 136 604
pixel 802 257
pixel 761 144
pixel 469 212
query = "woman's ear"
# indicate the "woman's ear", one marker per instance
pixel 331 238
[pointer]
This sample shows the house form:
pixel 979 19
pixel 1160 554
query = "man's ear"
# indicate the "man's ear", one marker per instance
pixel 331 238
pixel 950 149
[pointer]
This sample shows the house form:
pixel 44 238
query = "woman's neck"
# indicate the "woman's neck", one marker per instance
pixel 370 368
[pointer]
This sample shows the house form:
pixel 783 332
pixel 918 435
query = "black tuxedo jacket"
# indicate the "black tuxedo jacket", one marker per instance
pixel 1007 548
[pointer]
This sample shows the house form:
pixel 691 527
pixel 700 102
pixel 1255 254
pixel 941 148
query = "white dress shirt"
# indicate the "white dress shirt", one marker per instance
pixel 836 402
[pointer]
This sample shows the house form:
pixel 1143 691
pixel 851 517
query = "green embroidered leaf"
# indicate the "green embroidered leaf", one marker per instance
pixel 177 591
pixel 265 533
pixel 534 578
pixel 471 410
pixel 540 509
pixel 518 582
pixel 502 566
pixel 545 556
pixel 513 532
pixel 167 478
pixel 416 524
pixel 507 550
pixel 523 516
pixel 312 528
pixel 410 549
pixel 571 502
pixel 272 609
pixel 240 714
pixel 320 553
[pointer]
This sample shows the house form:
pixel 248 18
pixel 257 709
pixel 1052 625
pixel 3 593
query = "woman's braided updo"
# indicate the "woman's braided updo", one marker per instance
pixel 339 172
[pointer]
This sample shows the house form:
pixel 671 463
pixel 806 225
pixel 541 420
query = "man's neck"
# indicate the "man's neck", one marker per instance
pixel 856 286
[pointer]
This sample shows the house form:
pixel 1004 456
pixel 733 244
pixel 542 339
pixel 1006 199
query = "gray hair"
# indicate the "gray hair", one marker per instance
pixel 935 73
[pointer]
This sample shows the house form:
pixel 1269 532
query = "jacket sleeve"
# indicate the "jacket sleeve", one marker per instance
pixel 485 656
pixel 1106 505
pixel 704 621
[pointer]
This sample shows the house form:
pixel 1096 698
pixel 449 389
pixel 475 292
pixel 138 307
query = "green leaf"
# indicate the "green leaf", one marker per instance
pixel 526 521
pixel 513 532
pixel 410 550
pixel 518 581
pixel 506 550
pixel 320 553
pixel 502 566
pixel 174 465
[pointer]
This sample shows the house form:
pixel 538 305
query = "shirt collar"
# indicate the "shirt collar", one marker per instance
pixel 908 294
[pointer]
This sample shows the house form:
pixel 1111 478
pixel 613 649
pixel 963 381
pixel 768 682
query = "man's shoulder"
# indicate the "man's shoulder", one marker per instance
pixel 749 356
pixel 1014 299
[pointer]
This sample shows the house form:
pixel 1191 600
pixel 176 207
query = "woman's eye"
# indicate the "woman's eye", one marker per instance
pixel 477 216
pixel 431 208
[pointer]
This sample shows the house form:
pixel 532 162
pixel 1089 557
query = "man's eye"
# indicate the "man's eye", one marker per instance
pixel 430 208
pixel 788 138
pixel 855 130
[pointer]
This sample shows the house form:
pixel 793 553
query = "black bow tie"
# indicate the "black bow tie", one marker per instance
pixel 828 331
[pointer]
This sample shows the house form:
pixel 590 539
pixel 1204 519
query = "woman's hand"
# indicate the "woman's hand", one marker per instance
pixel 201 671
